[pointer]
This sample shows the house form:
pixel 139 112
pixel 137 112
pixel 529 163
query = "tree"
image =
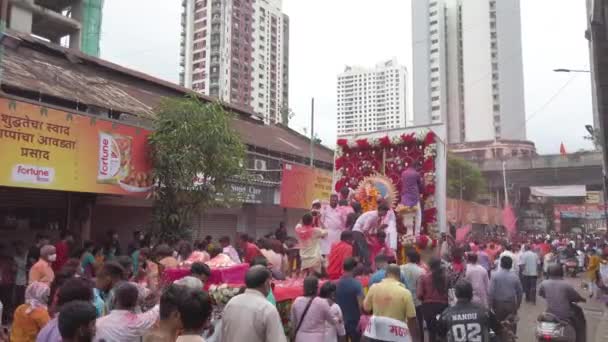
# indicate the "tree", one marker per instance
pixel 286 115
pixel 464 179
pixel 317 140
pixel 195 152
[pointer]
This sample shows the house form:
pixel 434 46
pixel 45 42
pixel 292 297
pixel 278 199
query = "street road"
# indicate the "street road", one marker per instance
pixel 595 313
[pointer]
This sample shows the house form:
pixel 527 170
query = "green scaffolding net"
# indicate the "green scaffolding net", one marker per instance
pixel 91 26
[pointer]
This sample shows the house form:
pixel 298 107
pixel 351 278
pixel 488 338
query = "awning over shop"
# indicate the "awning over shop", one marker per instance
pixel 559 191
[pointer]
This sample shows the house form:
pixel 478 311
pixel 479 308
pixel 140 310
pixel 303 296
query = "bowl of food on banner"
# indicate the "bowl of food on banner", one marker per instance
pixel 137 181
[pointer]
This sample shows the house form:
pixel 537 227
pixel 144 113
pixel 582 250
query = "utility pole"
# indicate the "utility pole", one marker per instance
pixel 312 132
pixel 460 181
pixel 504 182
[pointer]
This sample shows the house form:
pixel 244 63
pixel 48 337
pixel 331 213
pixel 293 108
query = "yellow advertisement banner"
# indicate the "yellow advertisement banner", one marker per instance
pixel 300 185
pixel 44 148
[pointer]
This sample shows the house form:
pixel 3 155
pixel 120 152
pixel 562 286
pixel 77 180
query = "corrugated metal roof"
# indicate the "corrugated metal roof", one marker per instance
pixel 34 65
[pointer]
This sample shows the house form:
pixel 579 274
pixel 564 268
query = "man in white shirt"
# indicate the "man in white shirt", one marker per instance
pixel 229 250
pixel 529 263
pixel 250 316
pixel 122 323
pixel 368 224
pixel 332 221
pixel 509 252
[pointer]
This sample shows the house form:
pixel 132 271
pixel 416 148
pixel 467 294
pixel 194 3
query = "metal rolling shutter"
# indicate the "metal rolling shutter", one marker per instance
pixel 216 225
pixel 28 198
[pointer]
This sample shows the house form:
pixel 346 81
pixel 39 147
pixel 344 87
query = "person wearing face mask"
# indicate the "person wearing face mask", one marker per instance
pixel 249 316
pixel 42 270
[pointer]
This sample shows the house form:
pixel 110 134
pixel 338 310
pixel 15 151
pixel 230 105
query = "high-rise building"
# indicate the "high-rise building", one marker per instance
pixel 237 50
pixel 372 100
pixel 75 23
pixel 467 68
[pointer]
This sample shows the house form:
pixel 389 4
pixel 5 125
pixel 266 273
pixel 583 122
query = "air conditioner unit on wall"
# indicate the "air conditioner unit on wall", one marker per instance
pixel 259 165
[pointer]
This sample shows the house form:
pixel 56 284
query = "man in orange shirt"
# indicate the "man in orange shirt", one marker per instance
pixel 338 253
pixel 42 271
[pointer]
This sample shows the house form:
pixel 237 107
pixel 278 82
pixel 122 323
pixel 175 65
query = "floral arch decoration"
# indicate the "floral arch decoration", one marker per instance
pixel 389 156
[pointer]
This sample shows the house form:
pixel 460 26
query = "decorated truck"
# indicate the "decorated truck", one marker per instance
pixel 406 168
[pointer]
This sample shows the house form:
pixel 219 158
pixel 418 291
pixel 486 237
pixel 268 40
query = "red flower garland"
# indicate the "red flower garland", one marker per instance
pixel 365 158
pixel 408 139
pixel 339 162
pixel 430 138
pixel 362 143
pixel 385 141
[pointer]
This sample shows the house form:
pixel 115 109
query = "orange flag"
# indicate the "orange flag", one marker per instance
pixel 562 149
pixel 509 221
pixel 462 232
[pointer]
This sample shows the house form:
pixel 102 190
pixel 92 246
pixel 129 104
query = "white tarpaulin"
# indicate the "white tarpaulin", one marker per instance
pixel 559 191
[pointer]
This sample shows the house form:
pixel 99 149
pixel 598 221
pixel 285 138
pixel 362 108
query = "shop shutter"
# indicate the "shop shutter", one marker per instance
pixel 216 225
pixel 16 198
pixel 267 219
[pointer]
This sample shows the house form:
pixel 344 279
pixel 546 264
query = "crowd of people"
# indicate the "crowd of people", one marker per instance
pixel 473 287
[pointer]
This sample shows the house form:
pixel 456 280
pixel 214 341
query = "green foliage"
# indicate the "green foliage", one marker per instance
pixel 466 176
pixel 195 152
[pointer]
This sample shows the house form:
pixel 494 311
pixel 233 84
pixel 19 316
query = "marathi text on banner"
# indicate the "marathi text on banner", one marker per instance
pixel 45 148
pixel 387 329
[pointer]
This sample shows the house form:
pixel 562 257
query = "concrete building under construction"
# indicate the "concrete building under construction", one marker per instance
pixel 72 23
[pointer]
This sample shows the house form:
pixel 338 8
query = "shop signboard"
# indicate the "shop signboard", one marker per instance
pixel 300 185
pixel 577 211
pixel 44 148
pixel 251 193
pixel 593 197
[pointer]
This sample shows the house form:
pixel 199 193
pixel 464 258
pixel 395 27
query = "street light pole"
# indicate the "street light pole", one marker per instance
pixel 571 70
pixel 504 182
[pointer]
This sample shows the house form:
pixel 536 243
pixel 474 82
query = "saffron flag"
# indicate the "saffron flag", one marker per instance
pixel 562 149
pixel 462 232
pixel 509 220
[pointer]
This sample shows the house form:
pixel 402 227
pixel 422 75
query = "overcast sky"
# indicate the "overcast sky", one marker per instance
pixel 326 35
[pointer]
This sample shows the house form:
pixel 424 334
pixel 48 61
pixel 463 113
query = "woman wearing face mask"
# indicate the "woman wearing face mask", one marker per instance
pixel 42 270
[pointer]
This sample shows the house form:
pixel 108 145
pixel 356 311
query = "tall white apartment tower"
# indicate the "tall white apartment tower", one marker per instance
pixel 371 99
pixel 238 51
pixel 468 70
